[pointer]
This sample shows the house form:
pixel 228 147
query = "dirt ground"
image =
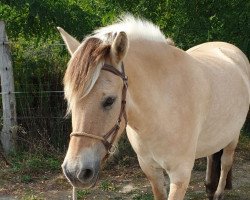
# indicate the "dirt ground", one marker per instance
pixel 125 183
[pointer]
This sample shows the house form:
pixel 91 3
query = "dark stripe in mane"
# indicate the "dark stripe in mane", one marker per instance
pixel 83 64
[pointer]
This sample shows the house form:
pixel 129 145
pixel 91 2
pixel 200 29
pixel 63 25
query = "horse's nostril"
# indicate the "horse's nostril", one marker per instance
pixel 88 173
pixel 85 175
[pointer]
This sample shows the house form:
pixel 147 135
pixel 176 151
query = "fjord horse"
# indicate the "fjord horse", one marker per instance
pixel 176 105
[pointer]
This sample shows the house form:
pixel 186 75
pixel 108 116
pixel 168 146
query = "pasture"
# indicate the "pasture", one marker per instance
pixel 121 179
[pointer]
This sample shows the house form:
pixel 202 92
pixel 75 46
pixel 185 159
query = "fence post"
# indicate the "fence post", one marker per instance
pixel 8 134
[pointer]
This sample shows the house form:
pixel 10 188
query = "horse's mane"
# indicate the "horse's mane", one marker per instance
pixel 135 28
pixel 85 64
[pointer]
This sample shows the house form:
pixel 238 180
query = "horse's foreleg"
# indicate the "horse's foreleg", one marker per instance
pixel 179 180
pixel 156 177
pixel 226 165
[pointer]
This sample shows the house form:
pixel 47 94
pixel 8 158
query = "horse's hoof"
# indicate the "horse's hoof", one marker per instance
pixel 210 195
pixel 218 197
pixel 210 190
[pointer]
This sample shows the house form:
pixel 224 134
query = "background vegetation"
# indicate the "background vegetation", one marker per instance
pixel 39 61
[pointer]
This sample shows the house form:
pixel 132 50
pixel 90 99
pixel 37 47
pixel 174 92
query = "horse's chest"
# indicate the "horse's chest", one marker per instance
pixel 161 150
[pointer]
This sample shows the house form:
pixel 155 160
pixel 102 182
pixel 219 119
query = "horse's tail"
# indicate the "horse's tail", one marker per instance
pixel 215 173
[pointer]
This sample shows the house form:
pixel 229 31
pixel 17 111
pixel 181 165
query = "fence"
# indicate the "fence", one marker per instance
pixel 8 135
pixel 40 106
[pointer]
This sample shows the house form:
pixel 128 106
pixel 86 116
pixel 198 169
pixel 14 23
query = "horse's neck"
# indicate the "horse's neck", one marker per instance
pixel 148 66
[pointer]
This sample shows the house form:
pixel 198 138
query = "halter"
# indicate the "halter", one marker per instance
pixel 114 130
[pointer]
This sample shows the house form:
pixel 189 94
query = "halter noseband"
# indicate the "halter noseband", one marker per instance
pixel 114 130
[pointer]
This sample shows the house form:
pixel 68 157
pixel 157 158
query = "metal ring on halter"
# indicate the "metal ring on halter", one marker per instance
pixel 113 149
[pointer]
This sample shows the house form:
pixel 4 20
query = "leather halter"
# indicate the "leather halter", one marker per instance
pixel 114 130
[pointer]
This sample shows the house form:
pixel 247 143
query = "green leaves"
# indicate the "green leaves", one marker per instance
pixel 188 22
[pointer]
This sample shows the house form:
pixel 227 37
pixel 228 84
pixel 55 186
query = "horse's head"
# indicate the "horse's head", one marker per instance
pixel 95 88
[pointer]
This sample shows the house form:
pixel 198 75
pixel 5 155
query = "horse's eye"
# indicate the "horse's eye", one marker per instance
pixel 108 102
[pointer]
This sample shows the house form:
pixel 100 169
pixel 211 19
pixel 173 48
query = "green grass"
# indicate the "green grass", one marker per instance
pixel 29 195
pixel 26 178
pixel 82 193
pixel 107 186
pixel 144 196
pixel 34 163
pixel 27 167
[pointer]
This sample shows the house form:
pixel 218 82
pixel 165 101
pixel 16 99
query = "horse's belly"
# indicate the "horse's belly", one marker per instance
pixel 227 111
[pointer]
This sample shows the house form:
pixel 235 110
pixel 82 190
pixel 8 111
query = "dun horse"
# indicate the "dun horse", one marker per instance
pixel 176 105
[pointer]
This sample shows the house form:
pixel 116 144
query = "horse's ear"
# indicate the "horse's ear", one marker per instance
pixel 71 43
pixel 119 47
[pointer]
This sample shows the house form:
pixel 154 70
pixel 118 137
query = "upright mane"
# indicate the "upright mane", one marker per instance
pixel 135 28
pixel 85 64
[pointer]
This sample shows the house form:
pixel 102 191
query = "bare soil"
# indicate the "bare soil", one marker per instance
pixel 123 183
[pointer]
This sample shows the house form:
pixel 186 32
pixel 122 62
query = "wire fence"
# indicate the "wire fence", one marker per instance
pixel 38 72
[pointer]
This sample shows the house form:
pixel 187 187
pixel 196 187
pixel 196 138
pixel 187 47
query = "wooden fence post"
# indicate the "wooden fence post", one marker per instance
pixel 8 134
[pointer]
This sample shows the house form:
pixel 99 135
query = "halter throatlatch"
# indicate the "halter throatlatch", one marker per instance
pixel 114 130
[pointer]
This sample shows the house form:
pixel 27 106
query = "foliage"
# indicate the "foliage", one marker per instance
pixel 39 68
pixel 188 22
pixel 193 22
pixel 39 18
pixel 39 61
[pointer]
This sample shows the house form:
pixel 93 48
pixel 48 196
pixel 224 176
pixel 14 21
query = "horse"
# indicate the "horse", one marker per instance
pixel 176 106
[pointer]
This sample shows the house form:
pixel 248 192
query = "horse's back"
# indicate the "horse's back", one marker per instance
pixel 226 70
pixel 222 51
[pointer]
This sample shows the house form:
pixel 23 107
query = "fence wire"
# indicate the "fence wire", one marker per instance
pixel 40 104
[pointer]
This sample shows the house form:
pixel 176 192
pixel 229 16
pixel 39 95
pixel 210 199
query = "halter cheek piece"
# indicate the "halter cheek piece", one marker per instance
pixel 112 133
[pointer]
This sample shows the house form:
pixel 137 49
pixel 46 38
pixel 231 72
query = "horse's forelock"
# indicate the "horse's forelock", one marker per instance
pixel 84 68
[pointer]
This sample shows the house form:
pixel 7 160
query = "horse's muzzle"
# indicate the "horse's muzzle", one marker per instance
pixel 81 175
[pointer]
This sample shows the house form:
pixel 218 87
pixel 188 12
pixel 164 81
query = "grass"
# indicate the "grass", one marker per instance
pixel 107 186
pixel 34 163
pixel 142 196
pixel 244 146
pixel 244 141
pixel 82 193
pixel 26 178
pixel 30 167
pixel 29 195
pixel 27 167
